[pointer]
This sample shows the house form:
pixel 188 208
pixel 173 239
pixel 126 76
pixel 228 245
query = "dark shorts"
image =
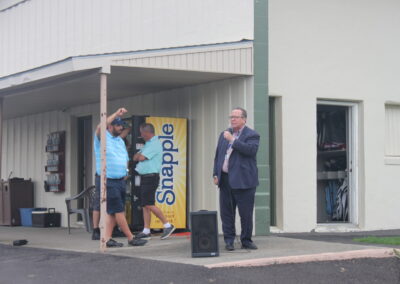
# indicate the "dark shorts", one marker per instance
pixel 116 191
pixel 148 187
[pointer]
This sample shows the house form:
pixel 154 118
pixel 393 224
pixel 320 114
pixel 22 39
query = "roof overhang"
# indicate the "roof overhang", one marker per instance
pixel 75 81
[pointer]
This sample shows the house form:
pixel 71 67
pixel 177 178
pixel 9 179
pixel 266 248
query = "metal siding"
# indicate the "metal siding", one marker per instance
pixel 185 108
pixel 58 29
pixel 165 62
pixel 237 94
pixel 134 105
pixel 152 61
pixel 184 102
pixel 249 58
pixel 207 60
pixel 45 130
pixel 26 40
pixel 24 144
pixel 3 43
pixel 249 91
pixel 4 153
pixel 165 104
pixel 38 176
pixel 223 106
pixel 31 147
pixel 184 61
pixel 225 60
pixel 17 148
pixel 209 136
pixel 196 175
pixel 64 123
pixel 6 31
pixel 23 163
pixel 201 60
pixel 10 149
pixel 40 34
pixel 180 61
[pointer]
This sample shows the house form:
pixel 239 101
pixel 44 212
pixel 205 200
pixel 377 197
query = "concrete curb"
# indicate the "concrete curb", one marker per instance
pixel 367 253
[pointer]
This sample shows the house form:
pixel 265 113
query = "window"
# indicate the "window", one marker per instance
pixel 392 134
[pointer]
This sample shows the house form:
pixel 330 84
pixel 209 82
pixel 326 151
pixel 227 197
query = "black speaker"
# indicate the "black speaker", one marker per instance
pixel 204 229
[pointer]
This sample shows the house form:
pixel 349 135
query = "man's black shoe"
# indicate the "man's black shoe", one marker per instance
pixel 249 246
pixel 96 234
pixel 143 236
pixel 137 242
pixel 117 233
pixel 113 244
pixel 229 247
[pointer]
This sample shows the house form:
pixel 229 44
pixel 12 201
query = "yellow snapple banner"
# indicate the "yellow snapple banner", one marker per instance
pixel 171 192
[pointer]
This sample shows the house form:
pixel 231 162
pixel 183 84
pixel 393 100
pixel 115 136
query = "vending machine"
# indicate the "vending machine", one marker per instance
pixel 172 191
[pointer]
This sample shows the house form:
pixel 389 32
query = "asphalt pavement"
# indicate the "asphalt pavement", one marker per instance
pixel 20 265
pixel 275 248
pixel 54 256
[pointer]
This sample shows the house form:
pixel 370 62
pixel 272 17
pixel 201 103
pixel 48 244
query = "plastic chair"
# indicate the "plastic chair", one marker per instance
pixel 87 195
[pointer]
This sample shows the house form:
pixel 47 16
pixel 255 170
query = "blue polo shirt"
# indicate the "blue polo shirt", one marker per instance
pixel 116 156
pixel 152 150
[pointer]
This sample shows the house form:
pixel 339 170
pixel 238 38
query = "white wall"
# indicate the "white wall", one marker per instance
pixel 207 107
pixel 23 152
pixel 39 32
pixel 342 50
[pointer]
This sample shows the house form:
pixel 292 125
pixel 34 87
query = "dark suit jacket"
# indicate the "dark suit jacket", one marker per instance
pixel 242 168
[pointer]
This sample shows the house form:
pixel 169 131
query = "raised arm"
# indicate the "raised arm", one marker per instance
pixel 120 112
pixel 125 132
pixel 249 147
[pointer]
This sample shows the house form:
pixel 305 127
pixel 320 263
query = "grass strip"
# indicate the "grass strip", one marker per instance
pixel 380 240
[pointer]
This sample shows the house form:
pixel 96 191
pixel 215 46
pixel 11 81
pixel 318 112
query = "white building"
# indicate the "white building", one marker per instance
pixel 322 61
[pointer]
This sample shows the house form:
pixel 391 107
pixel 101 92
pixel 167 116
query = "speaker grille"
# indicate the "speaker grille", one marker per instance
pixel 204 229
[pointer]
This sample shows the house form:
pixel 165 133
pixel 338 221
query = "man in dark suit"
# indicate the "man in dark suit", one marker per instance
pixel 236 174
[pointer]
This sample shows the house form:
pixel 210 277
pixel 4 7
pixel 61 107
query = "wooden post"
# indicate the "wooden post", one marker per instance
pixel 103 129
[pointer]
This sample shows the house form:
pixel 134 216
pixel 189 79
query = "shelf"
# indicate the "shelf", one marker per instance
pixel 55 188
pixel 53 148
pixel 55 167
pixel 332 153
pixel 331 175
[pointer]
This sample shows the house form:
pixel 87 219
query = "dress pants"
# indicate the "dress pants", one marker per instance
pixel 229 199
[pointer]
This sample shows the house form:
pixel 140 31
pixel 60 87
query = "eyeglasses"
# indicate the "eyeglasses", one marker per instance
pixel 235 117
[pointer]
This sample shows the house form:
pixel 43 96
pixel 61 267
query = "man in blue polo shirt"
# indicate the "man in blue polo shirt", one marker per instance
pixel 149 166
pixel 116 170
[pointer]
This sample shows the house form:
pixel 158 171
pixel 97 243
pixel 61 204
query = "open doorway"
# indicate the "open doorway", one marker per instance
pixel 336 156
pixel 85 154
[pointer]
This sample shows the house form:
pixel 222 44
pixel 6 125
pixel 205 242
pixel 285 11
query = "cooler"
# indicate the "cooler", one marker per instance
pixel 48 218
